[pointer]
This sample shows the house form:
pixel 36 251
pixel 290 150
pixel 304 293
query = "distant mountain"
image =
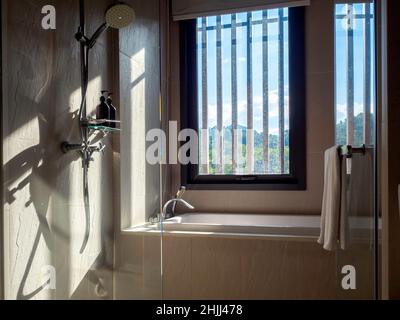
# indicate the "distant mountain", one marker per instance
pixel 274 157
pixel 258 137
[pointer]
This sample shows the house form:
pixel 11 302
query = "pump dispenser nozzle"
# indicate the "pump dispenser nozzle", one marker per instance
pixel 113 110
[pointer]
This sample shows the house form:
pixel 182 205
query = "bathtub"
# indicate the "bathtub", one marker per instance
pixel 245 224
pixel 306 227
pixel 233 257
pixel 270 256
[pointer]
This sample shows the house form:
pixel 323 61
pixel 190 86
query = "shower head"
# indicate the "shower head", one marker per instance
pixel 119 16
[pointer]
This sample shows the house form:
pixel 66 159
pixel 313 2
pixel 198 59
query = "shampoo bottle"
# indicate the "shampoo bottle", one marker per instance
pixel 103 110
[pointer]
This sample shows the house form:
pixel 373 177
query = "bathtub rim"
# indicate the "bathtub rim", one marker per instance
pixel 302 233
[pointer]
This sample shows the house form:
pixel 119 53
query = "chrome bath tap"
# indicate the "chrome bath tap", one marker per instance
pixel 174 201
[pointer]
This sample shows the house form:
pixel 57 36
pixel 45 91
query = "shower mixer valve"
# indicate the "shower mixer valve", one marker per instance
pixel 85 149
pixel 67 147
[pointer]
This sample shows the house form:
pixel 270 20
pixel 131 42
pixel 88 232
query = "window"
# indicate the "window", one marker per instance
pixel 355 74
pixel 242 90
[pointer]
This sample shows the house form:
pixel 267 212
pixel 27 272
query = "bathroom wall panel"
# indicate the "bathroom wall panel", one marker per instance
pixel 139 58
pixel 138 260
pixel 177 268
pixel 221 268
pixel 138 268
pixel 44 212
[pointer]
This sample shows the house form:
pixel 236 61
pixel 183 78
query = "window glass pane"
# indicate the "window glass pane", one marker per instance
pixel 355 85
pixel 251 51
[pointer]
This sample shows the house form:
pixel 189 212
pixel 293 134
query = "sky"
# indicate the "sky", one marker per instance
pixel 273 69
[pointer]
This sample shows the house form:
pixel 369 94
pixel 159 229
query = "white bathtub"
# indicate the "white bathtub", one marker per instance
pixel 250 224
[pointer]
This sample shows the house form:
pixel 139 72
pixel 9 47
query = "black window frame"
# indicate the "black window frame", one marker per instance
pixel 296 180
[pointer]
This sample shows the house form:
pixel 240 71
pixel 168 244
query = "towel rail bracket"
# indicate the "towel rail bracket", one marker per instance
pixel 348 151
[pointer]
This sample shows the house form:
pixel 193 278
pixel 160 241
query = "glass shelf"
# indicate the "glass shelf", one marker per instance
pixel 103 128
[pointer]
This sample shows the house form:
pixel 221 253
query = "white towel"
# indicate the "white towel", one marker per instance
pixel 330 220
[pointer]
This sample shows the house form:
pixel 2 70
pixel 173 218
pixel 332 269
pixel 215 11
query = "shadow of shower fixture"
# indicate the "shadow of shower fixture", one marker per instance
pixel 117 16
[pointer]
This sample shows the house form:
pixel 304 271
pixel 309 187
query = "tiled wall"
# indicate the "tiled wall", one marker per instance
pixel 45 216
pixel 201 267
pixel 229 269
pixel 138 268
pixel 139 81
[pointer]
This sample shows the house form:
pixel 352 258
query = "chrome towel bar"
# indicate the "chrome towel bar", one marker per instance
pixel 348 151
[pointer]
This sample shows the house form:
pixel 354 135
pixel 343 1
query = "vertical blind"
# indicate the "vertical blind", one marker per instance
pixel 191 9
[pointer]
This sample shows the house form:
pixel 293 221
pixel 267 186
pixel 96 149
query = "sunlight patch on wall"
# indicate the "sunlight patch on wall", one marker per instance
pixel 138 137
pixel 133 139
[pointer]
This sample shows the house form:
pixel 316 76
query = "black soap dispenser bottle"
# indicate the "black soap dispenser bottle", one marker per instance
pixel 103 110
pixel 113 112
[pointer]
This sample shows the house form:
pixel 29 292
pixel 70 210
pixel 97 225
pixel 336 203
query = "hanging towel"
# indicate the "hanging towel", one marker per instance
pixel 331 206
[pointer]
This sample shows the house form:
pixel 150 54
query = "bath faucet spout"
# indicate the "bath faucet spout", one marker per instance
pixel 173 201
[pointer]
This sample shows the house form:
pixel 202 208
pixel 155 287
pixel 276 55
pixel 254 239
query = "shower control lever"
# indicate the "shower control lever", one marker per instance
pixel 67 147
pixel 90 149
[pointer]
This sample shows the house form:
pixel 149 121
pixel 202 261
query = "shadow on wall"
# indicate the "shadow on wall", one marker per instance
pixel 37 187
pixel 39 165
pixel 140 108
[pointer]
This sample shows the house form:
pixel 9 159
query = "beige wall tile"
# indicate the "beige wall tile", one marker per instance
pixel 140 106
pixel 138 267
pixel 211 268
pixel 177 267
pixel 320 24
pixel 128 273
pixel 320 112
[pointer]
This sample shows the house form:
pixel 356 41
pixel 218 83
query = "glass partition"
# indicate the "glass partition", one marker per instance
pixel 355 126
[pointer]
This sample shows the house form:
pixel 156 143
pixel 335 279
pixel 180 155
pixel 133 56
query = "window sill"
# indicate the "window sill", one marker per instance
pixel 246 187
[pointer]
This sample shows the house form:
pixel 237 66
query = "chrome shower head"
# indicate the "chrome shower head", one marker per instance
pixel 119 16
